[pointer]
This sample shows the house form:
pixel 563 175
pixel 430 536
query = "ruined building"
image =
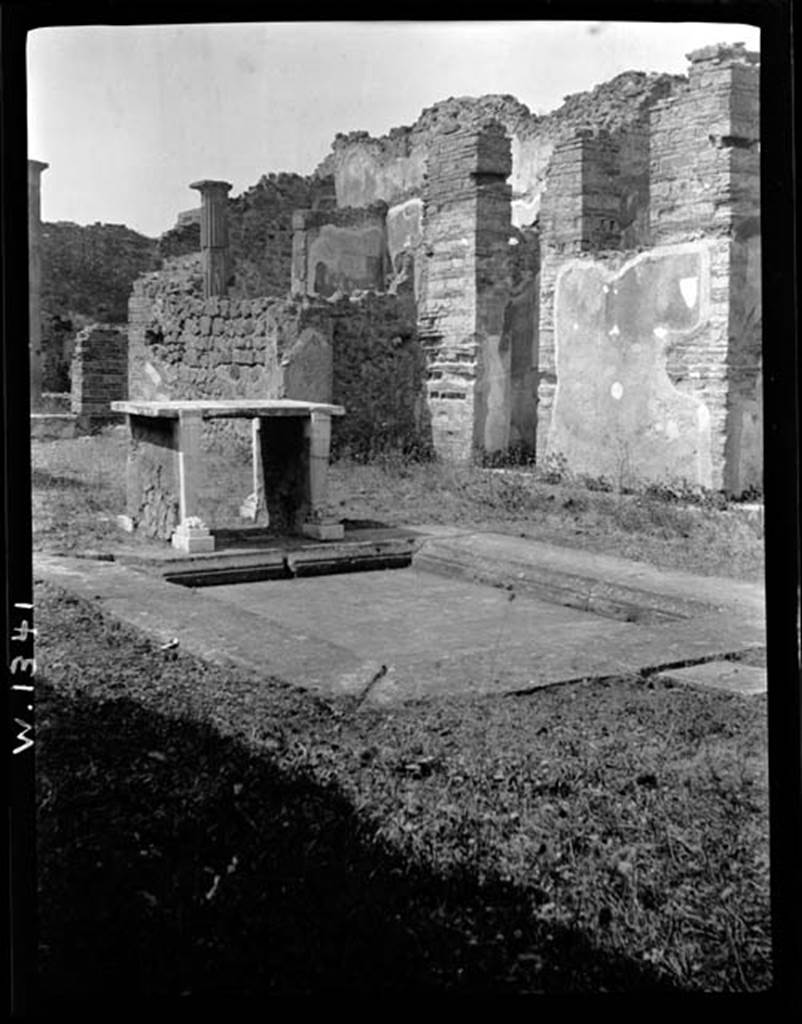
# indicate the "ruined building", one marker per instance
pixel 588 282
pixel 584 283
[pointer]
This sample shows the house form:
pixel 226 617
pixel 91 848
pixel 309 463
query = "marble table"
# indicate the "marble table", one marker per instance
pixel 165 464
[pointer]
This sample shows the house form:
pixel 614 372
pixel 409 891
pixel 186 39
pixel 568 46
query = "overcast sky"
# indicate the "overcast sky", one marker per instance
pixel 127 117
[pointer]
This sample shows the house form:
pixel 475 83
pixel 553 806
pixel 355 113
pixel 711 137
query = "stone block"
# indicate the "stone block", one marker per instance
pixel 323 530
pixel 193 538
pixel 731 676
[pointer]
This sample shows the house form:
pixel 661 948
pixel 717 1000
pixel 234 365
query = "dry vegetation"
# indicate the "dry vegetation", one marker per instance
pixel 206 833
pixel 79 487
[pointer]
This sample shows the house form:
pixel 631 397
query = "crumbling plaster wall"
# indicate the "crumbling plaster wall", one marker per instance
pixel 340 251
pixel 705 178
pixel 478 315
pixel 631 384
pixel 626 330
pixel 392 168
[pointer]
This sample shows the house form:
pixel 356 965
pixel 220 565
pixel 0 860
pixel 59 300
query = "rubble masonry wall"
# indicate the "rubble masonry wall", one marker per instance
pixel 361 354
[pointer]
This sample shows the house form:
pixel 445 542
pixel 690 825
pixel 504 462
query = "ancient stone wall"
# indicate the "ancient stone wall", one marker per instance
pixel 379 377
pixel 340 251
pixel 181 346
pixel 260 231
pixel 464 290
pixel 650 360
pixel 626 331
pixel 392 168
pixel 99 373
pixel 705 177
pixel 195 348
pixel 579 214
pixel 520 332
pixel 58 344
pixel 182 239
pixel 361 353
pixel 405 242
pixel 584 283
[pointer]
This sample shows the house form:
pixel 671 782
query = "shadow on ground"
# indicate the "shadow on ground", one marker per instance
pixel 173 861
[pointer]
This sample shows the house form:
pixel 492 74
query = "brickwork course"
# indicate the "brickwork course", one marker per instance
pixel 99 372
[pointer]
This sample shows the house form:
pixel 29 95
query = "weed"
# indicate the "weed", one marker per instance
pixel 587 836
pixel 79 489
pixel 684 492
pixel 514 456
pixel 553 469
pixel 596 483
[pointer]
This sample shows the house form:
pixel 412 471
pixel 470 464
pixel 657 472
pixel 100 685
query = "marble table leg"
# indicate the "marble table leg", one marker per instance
pixel 318 521
pixel 295 458
pixel 191 534
pixel 152 477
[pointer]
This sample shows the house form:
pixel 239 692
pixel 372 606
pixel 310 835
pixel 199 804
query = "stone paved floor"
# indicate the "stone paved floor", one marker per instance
pixel 402 634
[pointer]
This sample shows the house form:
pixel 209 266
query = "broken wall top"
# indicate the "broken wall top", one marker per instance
pixel 392 167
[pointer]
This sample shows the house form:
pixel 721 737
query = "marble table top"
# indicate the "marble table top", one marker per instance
pixel 210 408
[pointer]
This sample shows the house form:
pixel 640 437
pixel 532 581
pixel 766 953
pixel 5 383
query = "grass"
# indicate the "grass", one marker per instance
pixel 79 489
pixel 700 539
pixel 205 832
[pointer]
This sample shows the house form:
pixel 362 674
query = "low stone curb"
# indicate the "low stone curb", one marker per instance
pixel 603 584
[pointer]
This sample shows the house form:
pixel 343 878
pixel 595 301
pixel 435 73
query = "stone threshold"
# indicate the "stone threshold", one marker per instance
pixel 252 553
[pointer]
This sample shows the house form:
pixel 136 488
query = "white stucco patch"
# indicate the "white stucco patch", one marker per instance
pixel 689 287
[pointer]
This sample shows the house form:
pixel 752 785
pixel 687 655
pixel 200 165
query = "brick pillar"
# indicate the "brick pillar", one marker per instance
pixel 464 289
pixel 214 236
pixel 99 372
pixel 35 168
pixel 580 212
pixel 705 181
